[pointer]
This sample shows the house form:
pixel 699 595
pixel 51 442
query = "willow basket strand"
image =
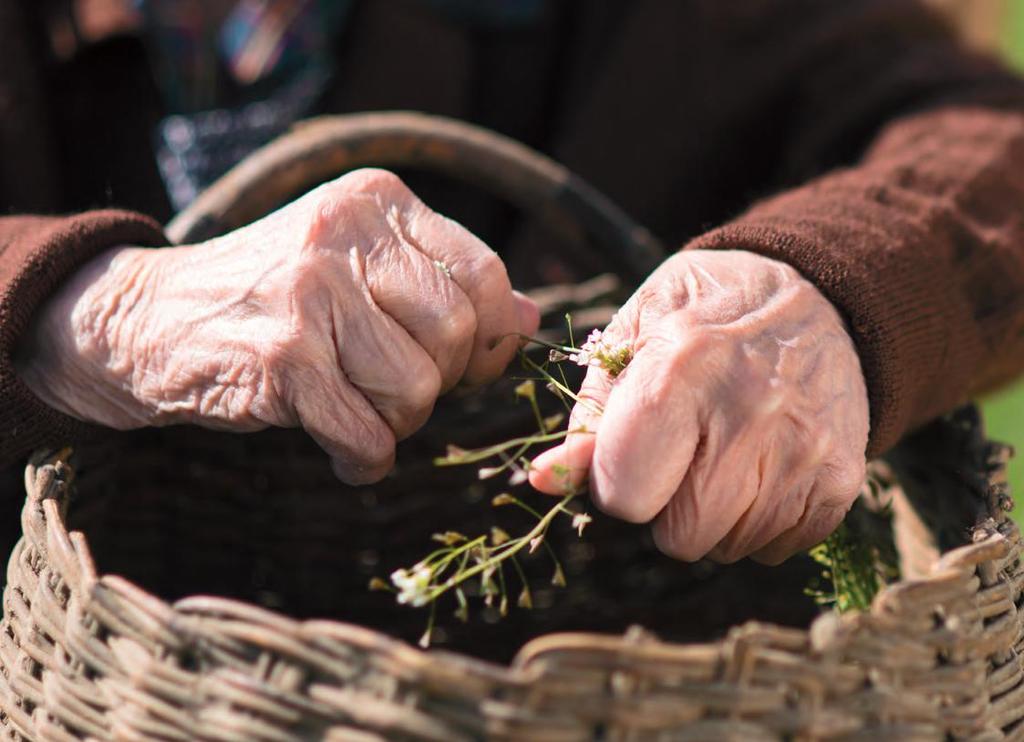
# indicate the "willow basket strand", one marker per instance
pixel 85 655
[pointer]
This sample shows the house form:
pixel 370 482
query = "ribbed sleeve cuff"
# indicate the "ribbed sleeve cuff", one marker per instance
pixel 37 254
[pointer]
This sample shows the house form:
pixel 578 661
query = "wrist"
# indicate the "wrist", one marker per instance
pixel 77 355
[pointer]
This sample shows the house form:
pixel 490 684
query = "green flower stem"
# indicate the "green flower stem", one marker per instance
pixel 564 389
pixel 547 547
pixel 510 460
pixel 449 554
pixel 501 553
pixel 553 346
pixel 536 414
pixel 470 457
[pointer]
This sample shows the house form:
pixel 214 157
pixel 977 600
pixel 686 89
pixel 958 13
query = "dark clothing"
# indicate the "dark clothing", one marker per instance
pixel 883 161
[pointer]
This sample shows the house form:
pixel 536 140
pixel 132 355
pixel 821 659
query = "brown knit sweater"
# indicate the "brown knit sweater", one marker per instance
pixel 882 160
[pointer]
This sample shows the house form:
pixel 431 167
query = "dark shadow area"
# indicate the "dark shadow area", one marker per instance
pixel 261 518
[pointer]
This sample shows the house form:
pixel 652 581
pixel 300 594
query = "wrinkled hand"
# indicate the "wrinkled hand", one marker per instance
pixel 740 425
pixel 346 312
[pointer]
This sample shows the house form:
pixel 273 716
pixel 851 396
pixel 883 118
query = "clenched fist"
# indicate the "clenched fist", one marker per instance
pixel 740 425
pixel 346 312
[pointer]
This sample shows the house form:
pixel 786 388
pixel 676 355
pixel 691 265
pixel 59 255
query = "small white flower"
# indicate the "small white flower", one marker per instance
pixel 413 587
pixel 596 351
pixel 582 358
pixel 580 521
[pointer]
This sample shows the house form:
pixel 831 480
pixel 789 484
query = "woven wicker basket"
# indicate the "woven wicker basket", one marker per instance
pixel 88 650
pixel 91 655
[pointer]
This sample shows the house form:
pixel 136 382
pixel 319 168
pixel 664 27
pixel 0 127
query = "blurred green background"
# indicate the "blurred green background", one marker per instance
pixel 1001 24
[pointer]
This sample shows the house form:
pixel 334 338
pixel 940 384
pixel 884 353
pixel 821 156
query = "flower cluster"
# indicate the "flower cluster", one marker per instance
pixel 413 585
pixel 461 562
pixel 596 351
pixel 469 567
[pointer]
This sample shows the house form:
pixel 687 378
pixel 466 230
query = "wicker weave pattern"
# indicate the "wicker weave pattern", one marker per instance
pixel 91 656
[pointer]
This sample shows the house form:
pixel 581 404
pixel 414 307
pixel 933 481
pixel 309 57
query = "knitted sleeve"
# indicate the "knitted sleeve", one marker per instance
pixel 36 255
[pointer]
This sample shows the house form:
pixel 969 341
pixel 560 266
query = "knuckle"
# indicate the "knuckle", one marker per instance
pixel 841 481
pixel 457 326
pixel 372 180
pixel 770 557
pixel 489 273
pixel 376 446
pixel 825 521
pixel 422 387
pixel 727 552
pixel 672 542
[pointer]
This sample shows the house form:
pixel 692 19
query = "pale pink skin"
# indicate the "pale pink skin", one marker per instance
pixel 330 314
pixel 740 426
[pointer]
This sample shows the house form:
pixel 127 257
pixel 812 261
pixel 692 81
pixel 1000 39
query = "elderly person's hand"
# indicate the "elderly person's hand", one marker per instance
pixel 740 425
pixel 346 312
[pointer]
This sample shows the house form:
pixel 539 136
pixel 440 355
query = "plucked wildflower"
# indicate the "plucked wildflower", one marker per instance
pixel 484 562
pixel 558 578
pixel 580 521
pixel 413 585
pixel 480 563
pixel 613 358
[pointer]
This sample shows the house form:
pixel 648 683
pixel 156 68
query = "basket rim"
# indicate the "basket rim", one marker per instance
pixel 118 660
pixel 991 539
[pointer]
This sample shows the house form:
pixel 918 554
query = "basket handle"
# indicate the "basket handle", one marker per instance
pixel 322 148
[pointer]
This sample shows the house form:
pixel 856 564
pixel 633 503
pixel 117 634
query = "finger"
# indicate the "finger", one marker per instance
pixel 480 273
pixel 379 358
pixel 813 528
pixel 419 295
pixel 528 314
pixel 344 424
pixel 835 489
pixel 648 435
pixel 774 511
pixel 719 487
pixel 565 466
pixel 786 473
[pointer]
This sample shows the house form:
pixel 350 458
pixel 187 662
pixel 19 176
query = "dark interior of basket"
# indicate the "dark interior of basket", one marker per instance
pixel 262 519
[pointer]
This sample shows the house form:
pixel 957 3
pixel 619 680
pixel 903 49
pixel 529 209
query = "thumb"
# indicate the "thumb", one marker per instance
pixel 565 466
pixel 527 313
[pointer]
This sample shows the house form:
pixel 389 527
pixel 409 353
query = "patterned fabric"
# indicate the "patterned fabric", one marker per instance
pixel 194 149
pixel 236 74
pixel 264 37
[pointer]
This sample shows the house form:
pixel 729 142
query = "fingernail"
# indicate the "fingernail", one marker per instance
pixel 551 473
